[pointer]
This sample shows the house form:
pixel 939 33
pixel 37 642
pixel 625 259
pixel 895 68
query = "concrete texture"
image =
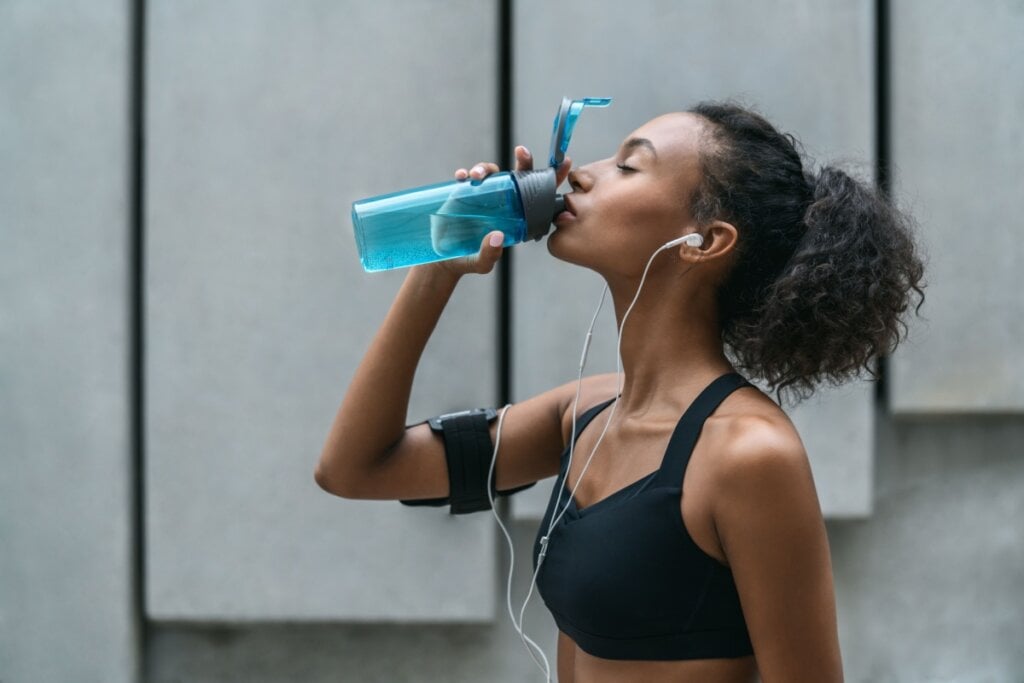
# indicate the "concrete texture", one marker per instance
pixel 67 608
pixel 927 588
pixel 931 587
pixel 806 65
pixel 265 121
pixel 958 155
pixel 368 653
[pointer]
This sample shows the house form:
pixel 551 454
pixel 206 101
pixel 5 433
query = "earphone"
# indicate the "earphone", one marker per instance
pixel 693 240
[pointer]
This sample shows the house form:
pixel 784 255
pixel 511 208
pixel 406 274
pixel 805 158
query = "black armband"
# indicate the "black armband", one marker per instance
pixel 469 450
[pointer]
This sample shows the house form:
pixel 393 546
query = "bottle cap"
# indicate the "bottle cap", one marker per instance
pixel 565 122
pixel 541 204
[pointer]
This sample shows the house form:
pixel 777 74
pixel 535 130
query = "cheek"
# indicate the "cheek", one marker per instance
pixel 644 207
pixel 595 246
pixel 635 226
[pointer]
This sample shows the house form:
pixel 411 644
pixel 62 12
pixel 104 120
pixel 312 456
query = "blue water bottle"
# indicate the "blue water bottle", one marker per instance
pixel 448 220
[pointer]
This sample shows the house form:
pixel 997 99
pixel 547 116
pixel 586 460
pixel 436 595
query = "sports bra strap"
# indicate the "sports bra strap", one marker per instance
pixel 584 419
pixel 680 445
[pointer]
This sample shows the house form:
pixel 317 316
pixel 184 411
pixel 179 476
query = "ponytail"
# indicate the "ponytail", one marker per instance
pixel 826 263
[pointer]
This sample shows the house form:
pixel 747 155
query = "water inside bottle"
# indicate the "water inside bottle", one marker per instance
pixel 451 236
pixel 458 235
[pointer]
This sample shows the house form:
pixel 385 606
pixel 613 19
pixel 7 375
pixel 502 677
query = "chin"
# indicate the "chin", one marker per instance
pixel 566 246
pixel 557 247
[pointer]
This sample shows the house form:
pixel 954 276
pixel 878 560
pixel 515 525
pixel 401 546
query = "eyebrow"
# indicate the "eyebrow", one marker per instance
pixel 633 143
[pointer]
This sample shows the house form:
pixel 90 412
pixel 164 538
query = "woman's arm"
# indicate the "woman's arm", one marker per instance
pixel 770 525
pixel 369 453
pixel 371 419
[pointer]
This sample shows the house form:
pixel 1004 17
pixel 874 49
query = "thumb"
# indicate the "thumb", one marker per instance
pixel 563 170
pixel 490 251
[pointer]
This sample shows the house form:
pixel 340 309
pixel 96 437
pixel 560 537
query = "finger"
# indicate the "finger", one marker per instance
pixel 490 251
pixel 461 174
pixel 482 169
pixel 563 171
pixel 524 160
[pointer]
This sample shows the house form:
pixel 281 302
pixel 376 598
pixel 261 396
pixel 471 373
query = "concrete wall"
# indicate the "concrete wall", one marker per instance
pixel 958 98
pixel 264 121
pixel 931 587
pixel 67 573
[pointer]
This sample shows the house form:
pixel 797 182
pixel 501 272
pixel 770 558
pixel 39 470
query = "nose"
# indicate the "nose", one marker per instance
pixel 576 179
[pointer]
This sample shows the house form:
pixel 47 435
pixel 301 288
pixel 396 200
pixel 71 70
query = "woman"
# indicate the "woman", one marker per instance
pixel 651 575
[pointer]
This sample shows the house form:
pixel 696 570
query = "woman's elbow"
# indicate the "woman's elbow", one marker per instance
pixel 338 485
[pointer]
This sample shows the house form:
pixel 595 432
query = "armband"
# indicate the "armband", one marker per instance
pixel 468 449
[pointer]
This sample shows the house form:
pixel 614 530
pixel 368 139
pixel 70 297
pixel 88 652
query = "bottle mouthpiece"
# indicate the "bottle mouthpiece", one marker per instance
pixel 559 206
pixel 537 193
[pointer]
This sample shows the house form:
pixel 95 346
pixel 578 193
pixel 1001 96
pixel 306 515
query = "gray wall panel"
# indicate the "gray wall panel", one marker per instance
pixel 261 132
pixel 958 152
pixel 266 120
pixel 929 589
pixel 368 653
pixel 807 65
pixel 66 474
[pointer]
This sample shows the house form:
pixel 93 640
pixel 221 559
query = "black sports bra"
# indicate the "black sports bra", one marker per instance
pixel 623 578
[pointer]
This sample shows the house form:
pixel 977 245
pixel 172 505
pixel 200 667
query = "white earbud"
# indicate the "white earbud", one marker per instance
pixel 694 239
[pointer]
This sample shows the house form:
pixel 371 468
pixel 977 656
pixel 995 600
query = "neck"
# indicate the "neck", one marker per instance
pixel 671 343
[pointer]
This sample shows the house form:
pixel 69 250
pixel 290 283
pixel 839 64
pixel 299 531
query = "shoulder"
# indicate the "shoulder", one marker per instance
pixel 759 454
pixel 770 528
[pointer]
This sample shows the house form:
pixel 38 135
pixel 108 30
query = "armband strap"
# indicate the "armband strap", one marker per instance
pixel 468 450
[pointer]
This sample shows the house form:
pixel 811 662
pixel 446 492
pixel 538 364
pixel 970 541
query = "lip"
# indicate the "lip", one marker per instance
pixel 568 204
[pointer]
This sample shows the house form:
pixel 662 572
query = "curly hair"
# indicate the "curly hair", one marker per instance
pixel 825 263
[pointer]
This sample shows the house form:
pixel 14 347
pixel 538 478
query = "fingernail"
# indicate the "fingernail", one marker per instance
pixel 496 239
pixel 478 169
pixel 526 151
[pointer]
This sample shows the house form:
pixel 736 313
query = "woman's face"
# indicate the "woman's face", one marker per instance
pixel 628 205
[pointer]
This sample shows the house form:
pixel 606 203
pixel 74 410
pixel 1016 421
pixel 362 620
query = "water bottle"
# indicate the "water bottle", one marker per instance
pixel 448 220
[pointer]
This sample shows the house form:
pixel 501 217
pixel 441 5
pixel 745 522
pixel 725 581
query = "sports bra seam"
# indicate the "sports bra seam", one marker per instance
pixel 677 515
pixel 656 635
pixel 703 594
pixel 640 484
pixel 714 561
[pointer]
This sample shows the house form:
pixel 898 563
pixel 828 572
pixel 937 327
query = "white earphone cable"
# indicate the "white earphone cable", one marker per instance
pixel 527 641
pixel 545 540
pixel 618 391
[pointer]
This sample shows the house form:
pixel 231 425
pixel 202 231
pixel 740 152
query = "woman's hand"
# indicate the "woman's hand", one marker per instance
pixel 483 261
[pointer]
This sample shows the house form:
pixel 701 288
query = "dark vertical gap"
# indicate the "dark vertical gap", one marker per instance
pixel 883 149
pixel 137 155
pixel 505 160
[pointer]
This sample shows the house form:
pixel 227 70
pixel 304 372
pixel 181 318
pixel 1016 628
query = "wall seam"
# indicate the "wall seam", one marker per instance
pixel 882 153
pixel 505 160
pixel 503 505
pixel 136 235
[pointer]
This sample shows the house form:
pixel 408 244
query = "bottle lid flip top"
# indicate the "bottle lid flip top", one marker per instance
pixel 565 122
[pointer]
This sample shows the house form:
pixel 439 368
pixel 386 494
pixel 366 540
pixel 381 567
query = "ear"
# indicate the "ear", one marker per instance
pixel 719 242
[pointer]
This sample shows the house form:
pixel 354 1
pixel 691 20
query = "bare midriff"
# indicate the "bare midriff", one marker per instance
pixel 577 666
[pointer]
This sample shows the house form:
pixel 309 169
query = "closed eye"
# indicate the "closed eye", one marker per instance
pixel 625 169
